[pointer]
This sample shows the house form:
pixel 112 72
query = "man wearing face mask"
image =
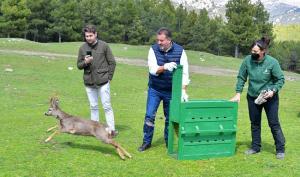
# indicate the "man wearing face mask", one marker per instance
pixel 163 58
pixel 97 61
pixel 265 81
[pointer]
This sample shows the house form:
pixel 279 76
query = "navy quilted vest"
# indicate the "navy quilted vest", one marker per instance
pixel 163 82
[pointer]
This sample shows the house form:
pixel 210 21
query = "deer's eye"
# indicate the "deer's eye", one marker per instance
pixel 50 109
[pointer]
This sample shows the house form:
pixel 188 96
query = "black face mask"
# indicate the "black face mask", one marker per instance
pixel 254 56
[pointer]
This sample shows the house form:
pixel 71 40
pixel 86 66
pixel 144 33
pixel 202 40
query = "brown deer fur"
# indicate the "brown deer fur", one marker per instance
pixel 78 126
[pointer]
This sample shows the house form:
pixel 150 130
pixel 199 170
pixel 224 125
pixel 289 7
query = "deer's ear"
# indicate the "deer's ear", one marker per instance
pixel 56 102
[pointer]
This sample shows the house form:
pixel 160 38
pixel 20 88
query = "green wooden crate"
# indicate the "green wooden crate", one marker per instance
pixel 200 129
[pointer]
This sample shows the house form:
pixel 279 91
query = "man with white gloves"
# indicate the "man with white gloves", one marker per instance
pixel 163 58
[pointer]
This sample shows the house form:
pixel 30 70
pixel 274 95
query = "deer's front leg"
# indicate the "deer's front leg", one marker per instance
pixel 51 136
pixel 51 128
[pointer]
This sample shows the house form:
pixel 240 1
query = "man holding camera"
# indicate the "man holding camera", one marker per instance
pixel 97 61
pixel 163 58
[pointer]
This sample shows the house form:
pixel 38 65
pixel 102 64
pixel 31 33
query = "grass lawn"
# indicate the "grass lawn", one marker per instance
pixel 25 93
pixel 119 50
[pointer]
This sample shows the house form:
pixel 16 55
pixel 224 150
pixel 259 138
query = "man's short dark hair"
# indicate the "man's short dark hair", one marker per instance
pixel 89 29
pixel 165 31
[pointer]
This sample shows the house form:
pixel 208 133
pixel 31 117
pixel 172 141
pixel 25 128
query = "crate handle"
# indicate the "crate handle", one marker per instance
pixel 208 131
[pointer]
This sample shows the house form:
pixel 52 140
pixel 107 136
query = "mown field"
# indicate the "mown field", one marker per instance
pixel 32 80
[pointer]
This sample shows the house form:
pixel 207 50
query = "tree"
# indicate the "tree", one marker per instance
pixel 90 11
pixel 261 20
pixel 14 17
pixel 137 33
pixel 240 28
pixel 180 15
pixel 111 28
pixel 201 33
pixel 186 32
pixel 39 20
pixel 218 44
pixel 65 19
pixel 128 18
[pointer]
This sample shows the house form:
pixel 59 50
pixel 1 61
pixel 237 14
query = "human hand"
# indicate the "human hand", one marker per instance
pixel 269 94
pixel 236 98
pixel 88 59
pixel 184 96
pixel 261 98
pixel 170 66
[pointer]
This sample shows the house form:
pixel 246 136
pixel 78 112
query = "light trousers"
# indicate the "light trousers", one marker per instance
pixel 104 93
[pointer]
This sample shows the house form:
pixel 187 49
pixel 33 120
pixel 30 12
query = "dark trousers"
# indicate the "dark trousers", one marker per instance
pixel 153 101
pixel 271 109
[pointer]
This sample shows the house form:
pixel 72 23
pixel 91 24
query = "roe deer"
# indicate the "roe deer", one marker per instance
pixel 78 126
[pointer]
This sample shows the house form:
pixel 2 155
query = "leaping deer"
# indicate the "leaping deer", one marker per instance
pixel 78 126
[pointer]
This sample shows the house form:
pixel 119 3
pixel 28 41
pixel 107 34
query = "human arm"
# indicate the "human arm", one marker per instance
pixel 241 80
pixel 154 68
pixel 82 60
pixel 185 75
pixel 278 80
pixel 111 62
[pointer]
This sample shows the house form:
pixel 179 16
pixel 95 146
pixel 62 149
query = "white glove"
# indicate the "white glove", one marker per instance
pixel 184 96
pixel 170 66
pixel 260 99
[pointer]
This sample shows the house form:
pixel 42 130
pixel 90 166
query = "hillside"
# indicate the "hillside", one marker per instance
pixel 287 32
pixel 281 11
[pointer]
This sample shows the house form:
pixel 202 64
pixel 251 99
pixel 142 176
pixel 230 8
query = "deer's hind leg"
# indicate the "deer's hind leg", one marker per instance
pixel 119 151
pixel 119 148
pixel 107 140
pixel 125 152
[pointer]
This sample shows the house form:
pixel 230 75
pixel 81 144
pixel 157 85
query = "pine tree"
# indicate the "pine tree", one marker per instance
pixel 186 32
pixel 201 33
pixel 39 20
pixel 65 20
pixel 261 20
pixel 241 30
pixel 14 19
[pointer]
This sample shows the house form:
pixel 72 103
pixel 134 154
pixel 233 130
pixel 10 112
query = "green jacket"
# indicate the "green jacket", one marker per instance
pixel 102 68
pixel 263 75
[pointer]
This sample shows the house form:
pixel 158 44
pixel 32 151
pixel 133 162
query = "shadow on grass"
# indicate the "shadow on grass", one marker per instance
pixel 158 142
pixel 267 147
pixel 122 128
pixel 299 114
pixel 104 150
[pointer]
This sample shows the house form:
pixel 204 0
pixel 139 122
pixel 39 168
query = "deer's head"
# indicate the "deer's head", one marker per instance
pixel 53 108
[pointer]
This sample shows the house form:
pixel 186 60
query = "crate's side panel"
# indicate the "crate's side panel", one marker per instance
pixel 175 102
pixel 208 129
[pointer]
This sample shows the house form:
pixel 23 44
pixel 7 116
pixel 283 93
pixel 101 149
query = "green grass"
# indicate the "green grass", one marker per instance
pixel 287 32
pixel 119 50
pixel 24 98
